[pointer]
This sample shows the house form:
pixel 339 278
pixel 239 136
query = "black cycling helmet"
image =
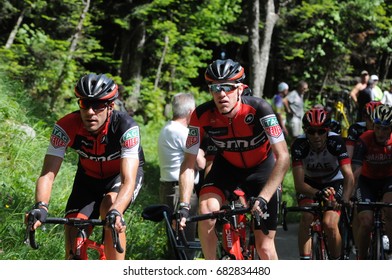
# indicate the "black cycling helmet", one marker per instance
pixel 96 87
pixel 224 70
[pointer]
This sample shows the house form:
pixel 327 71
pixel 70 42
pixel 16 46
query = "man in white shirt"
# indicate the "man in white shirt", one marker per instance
pixel 171 145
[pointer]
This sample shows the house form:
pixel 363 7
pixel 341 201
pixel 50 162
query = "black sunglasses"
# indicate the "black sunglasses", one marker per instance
pixel 319 131
pixel 97 106
pixel 217 88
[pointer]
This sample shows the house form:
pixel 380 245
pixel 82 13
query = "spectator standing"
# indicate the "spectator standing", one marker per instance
pixel 387 97
pixel 361 85
pixel 364 96
pixel 278 106
pixel 171 146
pixel 377 93
pixel 294 104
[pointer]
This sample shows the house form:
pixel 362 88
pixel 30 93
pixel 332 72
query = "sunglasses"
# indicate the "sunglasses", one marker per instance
pixel 95 105
pixel 319 131
pixel 217 88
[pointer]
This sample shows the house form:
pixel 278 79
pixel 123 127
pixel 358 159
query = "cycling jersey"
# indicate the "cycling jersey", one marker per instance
pixel 375 159
pixel 245 140
pixel 99 155
pixel 323 166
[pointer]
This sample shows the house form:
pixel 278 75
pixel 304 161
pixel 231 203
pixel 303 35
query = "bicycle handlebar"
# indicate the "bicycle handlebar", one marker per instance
pixel 314 208
pixel 75 222
pixel 226 213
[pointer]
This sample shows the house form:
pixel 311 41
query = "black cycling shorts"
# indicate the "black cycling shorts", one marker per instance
pixel 88 192
pixel 224 178
pixel 372 190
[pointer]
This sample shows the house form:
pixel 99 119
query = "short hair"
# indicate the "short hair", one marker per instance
pixel 182 104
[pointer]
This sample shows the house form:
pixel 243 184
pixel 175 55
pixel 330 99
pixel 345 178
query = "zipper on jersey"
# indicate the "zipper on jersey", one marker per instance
pixel 232 128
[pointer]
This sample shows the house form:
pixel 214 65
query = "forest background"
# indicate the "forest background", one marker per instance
pixel 153 50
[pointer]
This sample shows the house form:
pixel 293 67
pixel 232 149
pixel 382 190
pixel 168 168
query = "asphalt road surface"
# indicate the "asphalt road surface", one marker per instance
pixel 286 242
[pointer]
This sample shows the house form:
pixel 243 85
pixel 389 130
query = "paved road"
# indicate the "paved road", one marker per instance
pixel 286 242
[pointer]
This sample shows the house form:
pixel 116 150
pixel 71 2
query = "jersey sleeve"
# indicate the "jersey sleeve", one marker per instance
pixel 195 135
pixel 270 124
pixel 130 143
pixel 60 138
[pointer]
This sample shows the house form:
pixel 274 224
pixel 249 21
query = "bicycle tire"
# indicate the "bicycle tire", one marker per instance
pixel 376 247
pixel 318 252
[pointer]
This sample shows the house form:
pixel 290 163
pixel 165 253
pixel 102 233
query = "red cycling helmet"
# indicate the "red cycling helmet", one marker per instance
pixel 369 107
pixel 316 118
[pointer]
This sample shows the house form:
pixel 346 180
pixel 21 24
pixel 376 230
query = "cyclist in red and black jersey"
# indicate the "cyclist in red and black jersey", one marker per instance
pixel 321 167
pixel 110 168
pixel 251 147
pixel 356 129
pixel 372 164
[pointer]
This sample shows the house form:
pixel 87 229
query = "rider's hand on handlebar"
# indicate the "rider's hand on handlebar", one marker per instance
pixel 259 206
pixel 325 194
pixel 114 219
pixel 182 215
pixel 36 216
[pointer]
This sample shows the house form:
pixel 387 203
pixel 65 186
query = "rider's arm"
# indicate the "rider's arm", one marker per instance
pixel 279 170
pixel 128 168
pixel 348 183
pixel 299 182
pixel 49 172
pixel 187 177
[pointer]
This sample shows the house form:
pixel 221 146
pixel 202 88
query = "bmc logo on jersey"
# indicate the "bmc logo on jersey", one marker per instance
pixel 59 137
pixel 130 138
pixel 271 126
pixel 193 136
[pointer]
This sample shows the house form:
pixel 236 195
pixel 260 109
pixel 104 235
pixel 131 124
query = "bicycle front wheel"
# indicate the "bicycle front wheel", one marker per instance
pixel 376 247
pixel 318 248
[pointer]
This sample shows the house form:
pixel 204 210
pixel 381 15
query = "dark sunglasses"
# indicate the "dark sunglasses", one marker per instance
pixel 95 105
pixel 319 131
pixel 217 88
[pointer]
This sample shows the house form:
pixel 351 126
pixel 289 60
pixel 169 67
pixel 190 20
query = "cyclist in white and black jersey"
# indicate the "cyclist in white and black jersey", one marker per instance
pixel 321 167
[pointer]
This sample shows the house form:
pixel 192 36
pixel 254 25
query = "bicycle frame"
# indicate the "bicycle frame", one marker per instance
pixel 376 248
pixel 319 243
pixel 81 242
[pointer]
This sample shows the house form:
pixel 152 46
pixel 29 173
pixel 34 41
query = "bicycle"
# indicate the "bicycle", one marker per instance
pixel 233 229
pixel 376 249
pixel 178 242
pixel 81 243
pixel 346 232
pixel 319 244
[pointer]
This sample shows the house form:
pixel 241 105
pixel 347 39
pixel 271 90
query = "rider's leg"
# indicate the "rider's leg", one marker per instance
pixel 304 242
pixel 208 203
pixel 387 212
pixel 265 245
pixel 111 252
pixel 331 228
pixel 365 224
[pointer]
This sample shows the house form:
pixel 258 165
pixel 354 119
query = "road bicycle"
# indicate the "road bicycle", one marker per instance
pixel 319 244
pixel 82 242
pixel 233 228
pixel 376 249
pixel 346 232
pixel 178 242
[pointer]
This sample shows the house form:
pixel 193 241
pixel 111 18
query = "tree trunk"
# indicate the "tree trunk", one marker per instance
pixel 14 31
pixel 158 76
pixel 260 56
pixel 56 92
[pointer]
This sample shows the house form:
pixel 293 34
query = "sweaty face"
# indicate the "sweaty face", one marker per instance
pixel 382 133
pixel 94 115
pixel 225 95
pixel 317 137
